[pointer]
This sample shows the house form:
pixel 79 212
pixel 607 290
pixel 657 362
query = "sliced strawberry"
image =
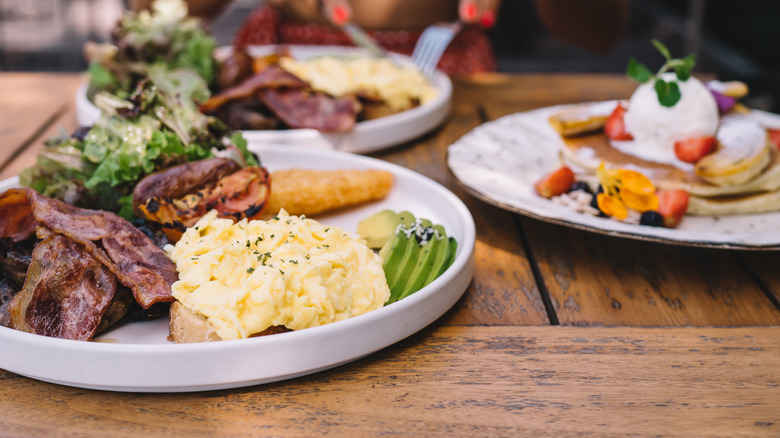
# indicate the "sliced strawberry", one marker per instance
pixel 692 150
pixel 555 183
pixel 774 136
pixel 672 205
pixel 615 126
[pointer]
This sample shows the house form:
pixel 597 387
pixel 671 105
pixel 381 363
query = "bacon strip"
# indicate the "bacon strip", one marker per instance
pixel 273 76
pixel 66 292
pixel 126 251
pixel 299 109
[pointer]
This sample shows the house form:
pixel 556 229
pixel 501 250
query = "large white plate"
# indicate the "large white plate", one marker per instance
pixel 138 357
pixel 500 160
pixel 368 136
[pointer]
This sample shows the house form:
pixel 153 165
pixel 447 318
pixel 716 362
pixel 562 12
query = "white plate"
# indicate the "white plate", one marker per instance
pixel 137 356
pixel 499 162
pixel 368 136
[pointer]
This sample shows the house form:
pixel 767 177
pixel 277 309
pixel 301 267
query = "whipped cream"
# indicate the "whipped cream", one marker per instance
pixel 655 128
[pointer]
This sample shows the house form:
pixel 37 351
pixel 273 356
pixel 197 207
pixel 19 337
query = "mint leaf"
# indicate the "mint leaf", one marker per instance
pixel 662 48
pixel 668 92
pixel 684 66
pixel 638 71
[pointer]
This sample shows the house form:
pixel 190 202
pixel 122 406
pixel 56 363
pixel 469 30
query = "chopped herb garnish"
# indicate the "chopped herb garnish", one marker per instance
pixel 250 270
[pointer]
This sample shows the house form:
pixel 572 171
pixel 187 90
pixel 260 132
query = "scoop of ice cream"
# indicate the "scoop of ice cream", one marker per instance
pixel 655 128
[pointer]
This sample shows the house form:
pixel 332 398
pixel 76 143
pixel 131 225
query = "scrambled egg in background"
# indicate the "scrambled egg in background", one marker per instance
pixel 397 86
pixel 293 271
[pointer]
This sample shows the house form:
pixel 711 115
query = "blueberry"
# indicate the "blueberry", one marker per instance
pixel 594 202
pixel 651 218
pixel 580 185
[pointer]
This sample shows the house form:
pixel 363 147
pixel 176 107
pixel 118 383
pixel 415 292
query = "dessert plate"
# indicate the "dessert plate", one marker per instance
pixel 368 136
pixel 499 162
pixel 138 357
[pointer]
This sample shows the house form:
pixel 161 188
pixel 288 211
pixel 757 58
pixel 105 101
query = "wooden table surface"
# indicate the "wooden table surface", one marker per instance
pixel 562 332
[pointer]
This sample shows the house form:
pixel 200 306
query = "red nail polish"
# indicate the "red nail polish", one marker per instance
pixel 469 11
pixel 488 19
pixel 340 15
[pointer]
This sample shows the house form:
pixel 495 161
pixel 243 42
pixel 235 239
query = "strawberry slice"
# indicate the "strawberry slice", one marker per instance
pixel 672 205
pixel 774 136
pixel 555 183
pixel 692 150
pixel 615 126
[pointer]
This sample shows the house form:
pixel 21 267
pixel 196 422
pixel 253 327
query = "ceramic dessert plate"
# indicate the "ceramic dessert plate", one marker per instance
pixel 499 162
pixel 369 136
pixel 137 356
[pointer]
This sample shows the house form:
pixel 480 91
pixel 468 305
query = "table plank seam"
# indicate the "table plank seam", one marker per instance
pixel 34 137
pixel 772 295
pixel 552 316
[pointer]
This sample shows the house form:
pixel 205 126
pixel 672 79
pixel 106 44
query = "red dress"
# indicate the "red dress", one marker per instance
pixel 469 52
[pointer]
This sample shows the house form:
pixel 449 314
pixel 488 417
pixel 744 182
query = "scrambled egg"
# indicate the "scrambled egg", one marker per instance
pixel 397 86
pixel 247 276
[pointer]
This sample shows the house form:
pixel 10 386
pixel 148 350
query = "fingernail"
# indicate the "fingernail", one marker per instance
pixel 488 19
pixel 340 15
pixel 469 11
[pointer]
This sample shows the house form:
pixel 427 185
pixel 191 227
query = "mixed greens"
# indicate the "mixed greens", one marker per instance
pixel 165 39
pixel 153 128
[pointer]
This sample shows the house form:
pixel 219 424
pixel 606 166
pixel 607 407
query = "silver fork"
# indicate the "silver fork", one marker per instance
pixel 429 48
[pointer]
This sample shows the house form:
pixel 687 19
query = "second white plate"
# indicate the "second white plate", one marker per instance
pixel 368 136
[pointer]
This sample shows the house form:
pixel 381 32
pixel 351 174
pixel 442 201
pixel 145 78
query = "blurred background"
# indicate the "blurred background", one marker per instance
pixel 732 39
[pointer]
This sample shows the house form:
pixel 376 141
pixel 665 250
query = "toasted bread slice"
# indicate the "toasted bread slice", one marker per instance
pixel 186 326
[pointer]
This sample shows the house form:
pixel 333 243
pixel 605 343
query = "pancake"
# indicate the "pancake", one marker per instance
pixel 742 176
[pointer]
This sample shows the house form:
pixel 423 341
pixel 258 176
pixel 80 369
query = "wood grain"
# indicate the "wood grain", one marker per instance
pixel 32 101
pixel 594 279
pixel 531 381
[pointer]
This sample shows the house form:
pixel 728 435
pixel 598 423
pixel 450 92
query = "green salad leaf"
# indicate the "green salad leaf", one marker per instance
pixel 668 91
pixel 152 129
pixel 165 38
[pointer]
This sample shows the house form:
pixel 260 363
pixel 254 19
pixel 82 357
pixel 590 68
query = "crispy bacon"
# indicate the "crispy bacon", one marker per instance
pixel 236 196
pixel 66 292
pixel 126 251
pixel 272 76
pixel 306 109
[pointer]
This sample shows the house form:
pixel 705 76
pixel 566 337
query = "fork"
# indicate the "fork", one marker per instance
pixel 429 48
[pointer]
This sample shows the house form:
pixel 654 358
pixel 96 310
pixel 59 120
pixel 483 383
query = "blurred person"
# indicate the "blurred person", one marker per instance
pixel 395 24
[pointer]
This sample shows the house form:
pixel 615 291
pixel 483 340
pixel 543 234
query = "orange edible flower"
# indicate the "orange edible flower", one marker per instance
pixel 612 206
pixel 624 189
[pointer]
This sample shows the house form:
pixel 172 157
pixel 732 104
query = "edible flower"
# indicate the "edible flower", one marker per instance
pixel 624 189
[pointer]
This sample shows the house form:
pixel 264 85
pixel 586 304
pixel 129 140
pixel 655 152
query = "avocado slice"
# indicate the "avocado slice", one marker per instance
pixel 425 261
pixel 443 260
pixel 378 228
pixel 405 267
pixel 392 254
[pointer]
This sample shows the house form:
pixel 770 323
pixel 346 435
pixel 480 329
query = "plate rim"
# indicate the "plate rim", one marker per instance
pixel 441 294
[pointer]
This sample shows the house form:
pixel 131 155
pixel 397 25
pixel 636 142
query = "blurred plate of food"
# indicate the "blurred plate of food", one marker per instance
pixel 137 355
pixel 352 101
pixel 681 162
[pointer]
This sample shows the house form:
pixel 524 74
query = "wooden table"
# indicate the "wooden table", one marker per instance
pixel 562 332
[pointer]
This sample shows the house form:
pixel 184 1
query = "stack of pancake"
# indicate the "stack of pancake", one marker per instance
pixel 741 176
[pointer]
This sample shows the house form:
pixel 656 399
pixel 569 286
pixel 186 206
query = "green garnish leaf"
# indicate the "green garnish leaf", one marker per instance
pixel 668 92
pixel 684 66
pixel 638 71
pixel 662 48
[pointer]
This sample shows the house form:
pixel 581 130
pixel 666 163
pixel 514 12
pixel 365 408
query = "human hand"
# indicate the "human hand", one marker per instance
pixel 480 12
